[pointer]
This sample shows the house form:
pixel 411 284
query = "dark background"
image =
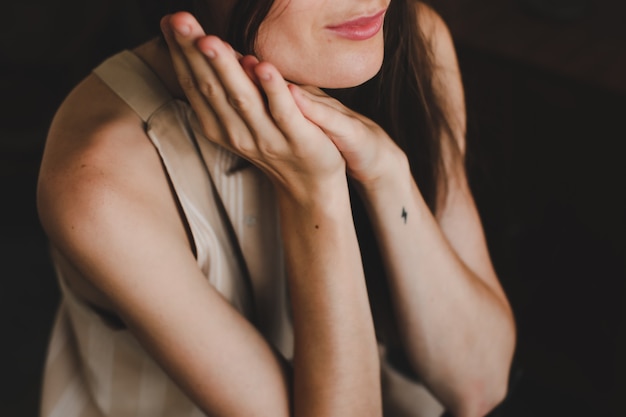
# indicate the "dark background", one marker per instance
pixel 546 103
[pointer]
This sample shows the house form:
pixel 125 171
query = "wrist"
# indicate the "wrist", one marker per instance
pixel 329 198
pixel 394 170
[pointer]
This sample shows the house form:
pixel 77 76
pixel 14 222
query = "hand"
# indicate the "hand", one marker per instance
pixel 369 152
pixel 246 106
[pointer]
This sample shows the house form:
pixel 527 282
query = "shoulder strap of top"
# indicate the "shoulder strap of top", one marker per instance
pixel 173 134
pixel 131 79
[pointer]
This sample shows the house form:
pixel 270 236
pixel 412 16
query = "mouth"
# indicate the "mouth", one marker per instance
pixel 361 28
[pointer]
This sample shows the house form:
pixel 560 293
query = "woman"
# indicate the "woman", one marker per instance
pixel 200 188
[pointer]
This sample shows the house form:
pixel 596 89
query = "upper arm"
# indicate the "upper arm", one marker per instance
pixel 458 217
pixel 109 210
pixel 446 73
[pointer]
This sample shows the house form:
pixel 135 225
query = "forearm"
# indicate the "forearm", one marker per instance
pixel 456 329
pixel 336 370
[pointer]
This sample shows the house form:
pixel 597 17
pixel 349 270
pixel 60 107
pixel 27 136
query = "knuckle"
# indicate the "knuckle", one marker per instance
pixel 240 103
pixel 269 150
pixel 187 83
pixel 282 118
pixel 207 89
pixel 241 142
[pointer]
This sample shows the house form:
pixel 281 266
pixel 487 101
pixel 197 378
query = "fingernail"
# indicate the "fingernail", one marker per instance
pixel 183 30
pixel 210 53
pixel 265 76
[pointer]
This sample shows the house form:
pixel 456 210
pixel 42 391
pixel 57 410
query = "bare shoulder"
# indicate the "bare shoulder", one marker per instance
pixel 100 174
pixel 94 142
pixel 428 19
pixel 436 33
pixel 447 76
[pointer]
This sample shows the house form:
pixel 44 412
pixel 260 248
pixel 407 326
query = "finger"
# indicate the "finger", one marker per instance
pixel 313 91
pixel 179 33
pixel 248 63
pixel 241 92
pixel 337 124
pixel 281 104
pixel 316 110
pixel 201 85
pixel 184 74
pixel 194 72
pixel 317 95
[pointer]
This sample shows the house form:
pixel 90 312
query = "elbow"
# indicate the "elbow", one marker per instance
pixel 485 403
pixel 481 398
pixel 486 385
pixel 490 387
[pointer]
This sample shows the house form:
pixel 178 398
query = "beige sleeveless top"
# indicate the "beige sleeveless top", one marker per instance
pixel 97 369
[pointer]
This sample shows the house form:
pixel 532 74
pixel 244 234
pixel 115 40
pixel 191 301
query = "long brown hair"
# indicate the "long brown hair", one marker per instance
pixel 401 98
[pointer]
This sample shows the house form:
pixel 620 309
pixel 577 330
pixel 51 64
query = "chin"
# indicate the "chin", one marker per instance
pixel 350 80
pixel 345 73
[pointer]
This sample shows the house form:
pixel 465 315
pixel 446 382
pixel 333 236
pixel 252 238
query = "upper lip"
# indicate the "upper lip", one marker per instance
pixel 359 21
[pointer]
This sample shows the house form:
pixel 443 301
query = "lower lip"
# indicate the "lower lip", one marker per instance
pixel 360 29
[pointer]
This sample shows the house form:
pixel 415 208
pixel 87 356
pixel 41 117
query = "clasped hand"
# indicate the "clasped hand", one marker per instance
pixel 299 136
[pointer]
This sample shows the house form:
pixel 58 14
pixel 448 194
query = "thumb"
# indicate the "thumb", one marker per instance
pixel 327 115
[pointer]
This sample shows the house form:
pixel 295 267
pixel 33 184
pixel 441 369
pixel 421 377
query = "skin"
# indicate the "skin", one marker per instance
pixel 456 323
pixel 294 37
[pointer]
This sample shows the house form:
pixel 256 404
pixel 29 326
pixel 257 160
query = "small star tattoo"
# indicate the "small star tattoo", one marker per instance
pixel 404 215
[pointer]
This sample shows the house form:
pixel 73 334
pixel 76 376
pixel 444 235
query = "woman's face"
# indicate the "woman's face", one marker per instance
pixel 325 43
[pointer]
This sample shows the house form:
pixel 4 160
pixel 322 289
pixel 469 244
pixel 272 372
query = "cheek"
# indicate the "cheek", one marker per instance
pixel 320 62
